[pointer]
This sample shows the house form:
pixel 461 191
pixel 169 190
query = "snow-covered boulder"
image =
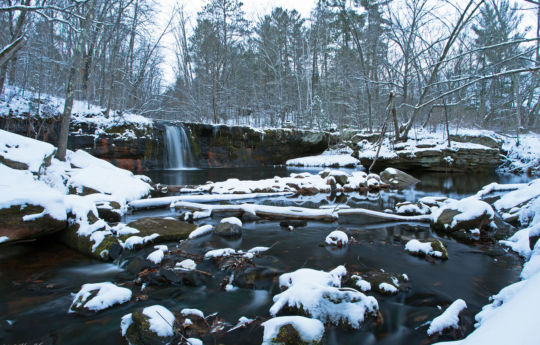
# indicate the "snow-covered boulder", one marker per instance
pixel 469 213
pixel 397 178
pixel 337 238
pixel 319 295
pixel 292 330
pixel 148 326
pixel 378 281
pixel 448 319
pixel 229 227
pixel 433 248
pixel 99 296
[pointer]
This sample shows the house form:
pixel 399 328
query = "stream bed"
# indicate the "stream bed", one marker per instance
pixel 37 279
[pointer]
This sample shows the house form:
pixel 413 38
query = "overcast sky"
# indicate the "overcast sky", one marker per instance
pixel 255 9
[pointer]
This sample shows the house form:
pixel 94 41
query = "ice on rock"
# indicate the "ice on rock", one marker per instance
pixel 319 294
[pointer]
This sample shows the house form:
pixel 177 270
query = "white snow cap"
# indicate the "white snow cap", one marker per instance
pixel 232 220
pixel 319 294
pixel 415 246
pixel 336 238
pixel 310 330
pixel 161 320
pixel 448 319
pixel 186 265
pixel 192 311
pixel 156 256
pixel 107 295
pixel 201 231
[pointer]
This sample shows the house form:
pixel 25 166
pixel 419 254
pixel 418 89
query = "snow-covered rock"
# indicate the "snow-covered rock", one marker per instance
pixel 229 227
pixel 319 295
pixel 469 213
pixel 201 231
pixel 286 329
pixel 433 248
pixel 334 161
pixel 448 319
pixel 150 325
pixel 99 296
pixel 337 238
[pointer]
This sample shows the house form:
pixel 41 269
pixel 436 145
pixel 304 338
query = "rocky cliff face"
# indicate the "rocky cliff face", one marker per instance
pixel 235 146
pixel 140 147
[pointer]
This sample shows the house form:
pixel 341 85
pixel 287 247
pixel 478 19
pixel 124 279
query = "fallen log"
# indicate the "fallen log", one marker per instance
pixel 296 213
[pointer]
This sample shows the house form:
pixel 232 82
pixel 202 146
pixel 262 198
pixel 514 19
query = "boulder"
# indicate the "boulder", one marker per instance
pixel 168 229
pixel 229 227
pixel 481 139
pixel 397 178
pixel 15 228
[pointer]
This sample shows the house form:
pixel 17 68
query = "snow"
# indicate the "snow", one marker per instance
pixel 104 177
pixel 201 231
pixel 194 341
pixel 388 288
pixel 127 320
pixel 525 157
pixel 337 238
pixel 448 319
pixel 156 256
pixel 310 330
pixel 25 150
pixel 186 265
pixel 232 221
pixel 257 250
pixel 135 241
pixel 107 295
pixel 162 247
pixel 415 246
pixel 4 239
pixel 325 161
pixel 362 284
pixel 518 197
pixel 191 311
pixel 219 252
pixel 320 295
pixel 242 322
pixel 468 208
pixel 171 200
pixel 161 320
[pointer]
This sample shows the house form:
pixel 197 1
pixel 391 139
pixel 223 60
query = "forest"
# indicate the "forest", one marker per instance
pixel 351 64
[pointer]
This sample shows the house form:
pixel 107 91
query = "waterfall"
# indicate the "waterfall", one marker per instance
pixel 178 153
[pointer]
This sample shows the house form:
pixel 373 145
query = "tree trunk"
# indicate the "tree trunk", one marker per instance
pixel 70 90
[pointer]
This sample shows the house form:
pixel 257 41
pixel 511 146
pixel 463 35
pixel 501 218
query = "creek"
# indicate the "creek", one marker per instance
pixel 37 279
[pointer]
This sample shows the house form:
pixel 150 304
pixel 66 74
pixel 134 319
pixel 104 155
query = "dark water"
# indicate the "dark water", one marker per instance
pixel 37 279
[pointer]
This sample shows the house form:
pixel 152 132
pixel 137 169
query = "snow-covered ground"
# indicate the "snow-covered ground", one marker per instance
pixel 329 158
pixel 44 181
pixel 522 157
pixel 512 317
pixel 18 103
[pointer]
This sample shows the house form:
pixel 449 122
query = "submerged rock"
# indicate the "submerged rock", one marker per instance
pixel 15 228
pixel 168 229
pixel 397 178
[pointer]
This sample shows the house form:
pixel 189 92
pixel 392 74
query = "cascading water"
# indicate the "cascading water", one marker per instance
pixel 178 154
